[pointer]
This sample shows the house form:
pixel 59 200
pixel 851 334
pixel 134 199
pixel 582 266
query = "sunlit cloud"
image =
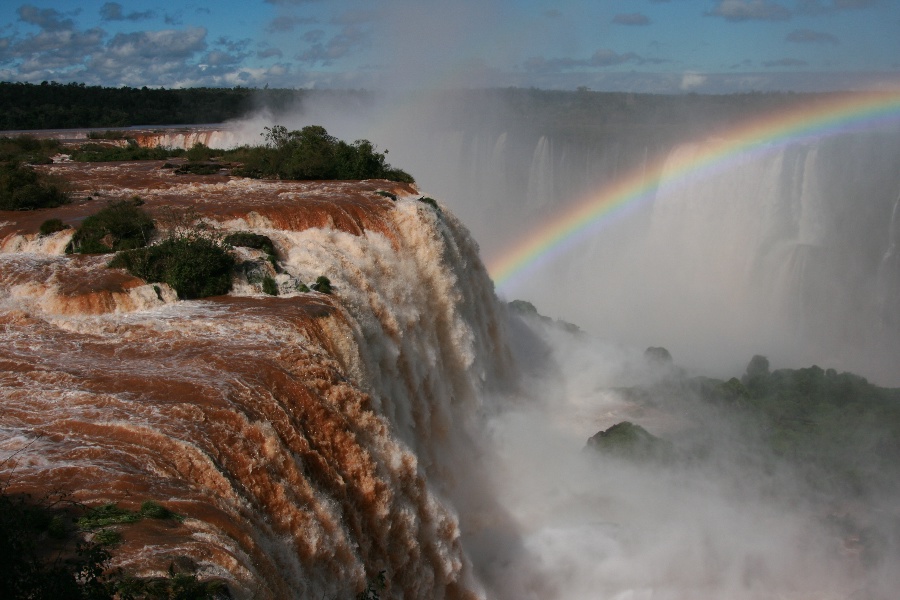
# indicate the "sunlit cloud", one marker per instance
pixel 691 81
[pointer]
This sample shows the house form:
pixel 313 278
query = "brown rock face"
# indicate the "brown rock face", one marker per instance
pixel 303 436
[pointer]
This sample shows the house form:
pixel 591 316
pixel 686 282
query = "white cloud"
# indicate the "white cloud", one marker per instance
pixel 691 81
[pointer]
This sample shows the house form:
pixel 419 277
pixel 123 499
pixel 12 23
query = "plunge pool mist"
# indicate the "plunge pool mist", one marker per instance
pixel 788 253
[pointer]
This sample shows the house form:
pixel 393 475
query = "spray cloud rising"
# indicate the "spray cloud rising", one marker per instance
pixel 787 251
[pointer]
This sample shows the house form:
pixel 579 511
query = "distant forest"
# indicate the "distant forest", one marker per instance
pixel 51 105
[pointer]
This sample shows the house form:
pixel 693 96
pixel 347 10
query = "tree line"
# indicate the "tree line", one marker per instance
pixel 52 105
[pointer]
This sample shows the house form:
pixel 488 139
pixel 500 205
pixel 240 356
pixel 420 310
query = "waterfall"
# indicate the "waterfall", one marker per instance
pixel 310 441
pixel 888 279
pixel 785 250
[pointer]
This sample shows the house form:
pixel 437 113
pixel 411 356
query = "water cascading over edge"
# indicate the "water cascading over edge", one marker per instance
pixel 311 441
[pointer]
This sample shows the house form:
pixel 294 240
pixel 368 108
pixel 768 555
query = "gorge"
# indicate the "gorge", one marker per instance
pixel 413 424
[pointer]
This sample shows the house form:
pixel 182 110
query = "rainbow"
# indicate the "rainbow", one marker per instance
pixel 825 116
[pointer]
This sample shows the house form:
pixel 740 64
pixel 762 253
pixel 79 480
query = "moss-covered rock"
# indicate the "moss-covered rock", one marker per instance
pixel 630 441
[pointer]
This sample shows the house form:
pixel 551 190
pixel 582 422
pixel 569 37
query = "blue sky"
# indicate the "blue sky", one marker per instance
pixel 671 46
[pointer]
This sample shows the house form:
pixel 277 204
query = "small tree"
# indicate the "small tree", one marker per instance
pixel 757 375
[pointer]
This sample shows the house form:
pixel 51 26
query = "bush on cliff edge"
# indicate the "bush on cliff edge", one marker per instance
pixel 194 266
pixel 119 226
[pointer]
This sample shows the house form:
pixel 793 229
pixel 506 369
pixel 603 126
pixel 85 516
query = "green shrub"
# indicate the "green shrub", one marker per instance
pixel 28 149
pixel 198 168
pixel 51 226
pixel 322 285
pixel 104 153
pixel 23 188
pixel 201 153
pixel 430 202
pixel 246 239
pixel 119 226
pixel 194 266
pixel 630 441
pixel 105 515
pixel 269 286
pixel 43 557
pixel 153 510
pixel 311 153
pixel 107 537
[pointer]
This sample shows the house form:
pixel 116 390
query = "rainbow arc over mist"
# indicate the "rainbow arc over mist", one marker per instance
pixel 825 116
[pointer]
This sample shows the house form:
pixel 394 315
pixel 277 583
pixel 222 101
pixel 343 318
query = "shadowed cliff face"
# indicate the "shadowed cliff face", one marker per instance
pixel 310 440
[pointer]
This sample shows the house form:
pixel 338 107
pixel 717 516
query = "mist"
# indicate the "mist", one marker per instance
pixel 719 515
pixel 784 253
pixel 789 254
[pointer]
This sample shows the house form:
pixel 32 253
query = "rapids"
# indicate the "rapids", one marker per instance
pixel 310 441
